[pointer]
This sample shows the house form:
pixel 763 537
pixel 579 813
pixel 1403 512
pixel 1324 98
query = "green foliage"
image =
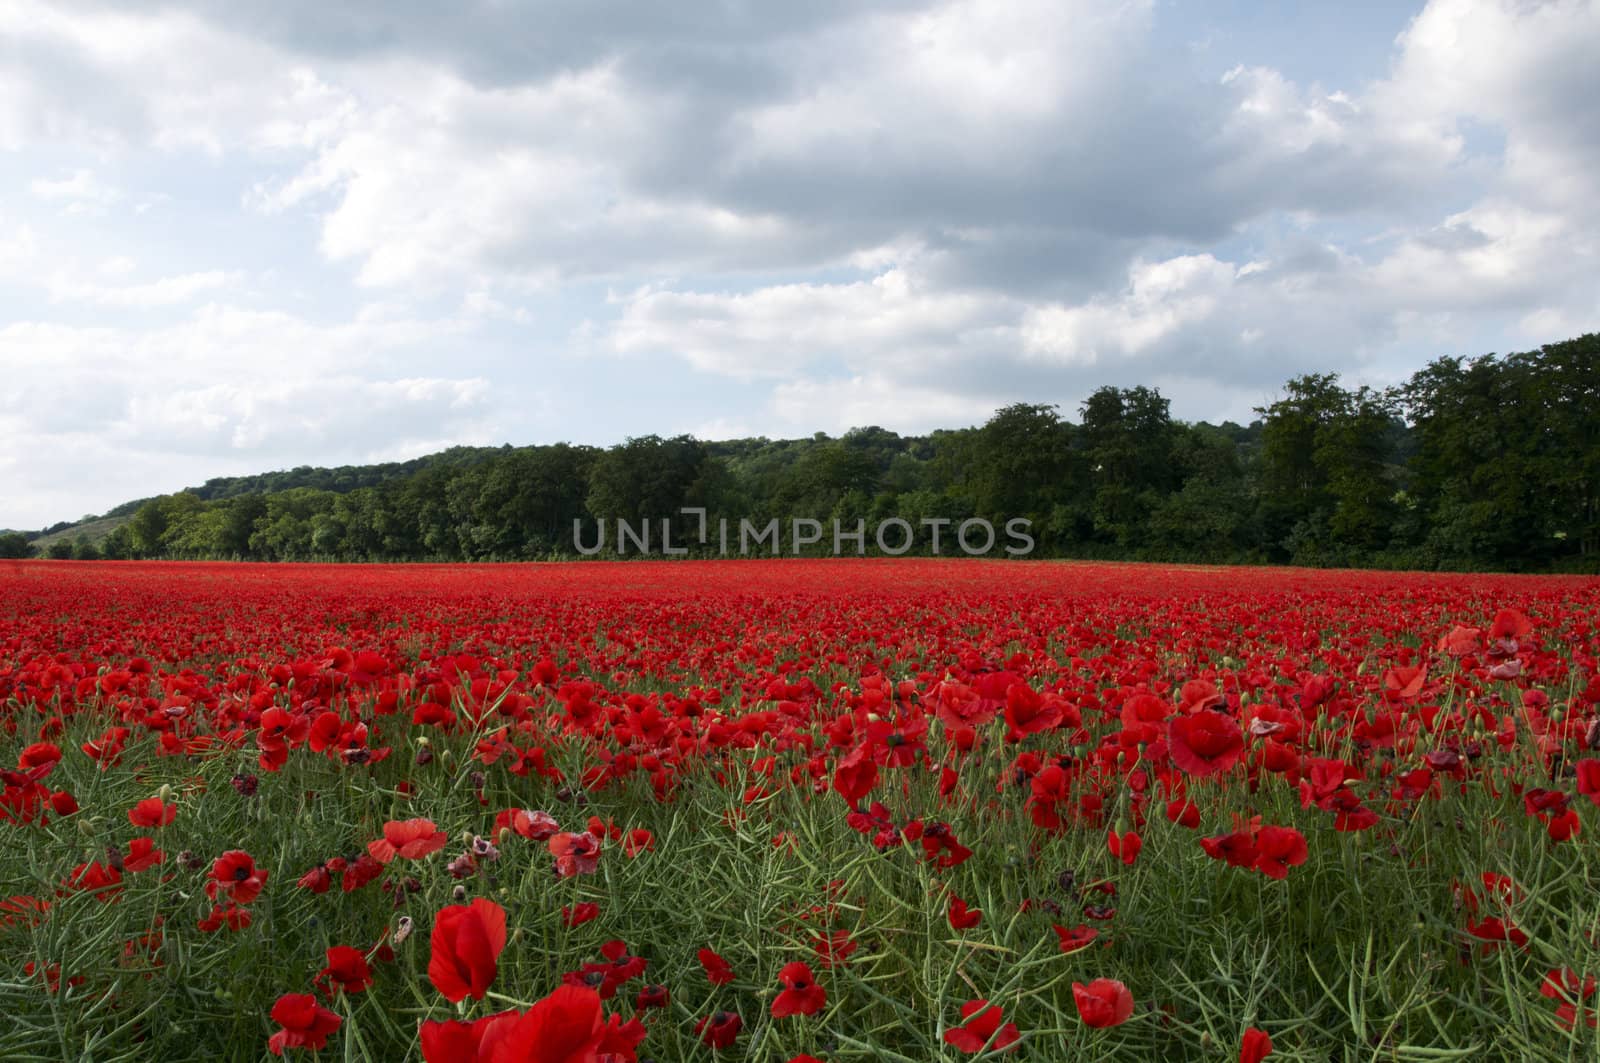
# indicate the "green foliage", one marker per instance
pixel 1491 462
pixel 15 545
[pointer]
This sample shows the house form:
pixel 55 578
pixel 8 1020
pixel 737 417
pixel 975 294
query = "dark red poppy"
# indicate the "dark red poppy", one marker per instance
pixel 466 943
pixel 1205 742
pixel 981 1028
pixel 1103 1002
pixel 1079 937
pixel 151 812
pixel 800 993
pixel 720 1029
pixel 346 970
pixel 306 1024
pixel 717 970
pixel 1124 846
pixel 578 914
pixel 961 917
pixel 235 873
pixel 1278 849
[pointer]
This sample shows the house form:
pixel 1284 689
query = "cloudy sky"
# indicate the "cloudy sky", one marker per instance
pixel 238 235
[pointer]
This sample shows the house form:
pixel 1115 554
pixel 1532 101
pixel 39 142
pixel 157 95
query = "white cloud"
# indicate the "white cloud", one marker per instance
pixel 165 291
pixel 77 193
pixel 924 207
pixel 781 330
pixel 836 405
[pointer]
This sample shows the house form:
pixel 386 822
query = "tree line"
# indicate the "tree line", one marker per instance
pixel 1490 462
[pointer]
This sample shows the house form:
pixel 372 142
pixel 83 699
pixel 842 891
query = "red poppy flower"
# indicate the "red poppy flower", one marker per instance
pixel 638 840
pixel 410 838
pixel 578 914
pixel 1563 983
pixel 236 874
pixel 1255 1046
pixel 1405 683
pixel 1279 848
pixel 1510 624
pixel 358 872
pixel 458 1042
pixel 981 1028
pixel 530 823
pixel 232 916
pixel 142 855
pixel 1125 846
pixel 719 1030
pixel 1103 1002
pixel 1461 641
pixel 152 813
pixel 1205 742
pixel 801 995
pixel 717 970
pixel 855 776
pixel 961 917
pixel 564 1027
pixel 1079 937
pixel 651 996
pixel 466 943
pixel 1238 849
pixel 576 854
pixel 306 1024
pixel 347 970
pixel 834 948
pixel 1589 779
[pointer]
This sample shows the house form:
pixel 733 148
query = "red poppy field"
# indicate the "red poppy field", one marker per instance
pixel 796 810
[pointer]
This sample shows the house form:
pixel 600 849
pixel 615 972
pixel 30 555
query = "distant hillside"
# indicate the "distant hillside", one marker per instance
pixel 94 530
pixel 339 480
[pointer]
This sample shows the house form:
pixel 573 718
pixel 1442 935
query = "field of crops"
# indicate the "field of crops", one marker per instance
pixel 796 810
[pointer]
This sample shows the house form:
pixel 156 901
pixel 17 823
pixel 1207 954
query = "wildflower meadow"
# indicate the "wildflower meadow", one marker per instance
pixel 805 810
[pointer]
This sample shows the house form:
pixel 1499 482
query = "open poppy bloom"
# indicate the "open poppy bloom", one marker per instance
pixel 347 970
pixel 578 914
pixel 306 1024
pixel 981 1028
pixel 801 995
pixel 235 873
pixel 1079 937
pixel 410 838
pixel 466 944
pixel 717 970
pixel 151 812
pixel 1103 1002
pixel 564 1027
pixel 576 854
pixel 961 917
pixel 1205 743
pixel 719 1030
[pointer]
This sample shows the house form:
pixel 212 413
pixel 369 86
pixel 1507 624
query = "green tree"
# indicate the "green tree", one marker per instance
pixel 15 545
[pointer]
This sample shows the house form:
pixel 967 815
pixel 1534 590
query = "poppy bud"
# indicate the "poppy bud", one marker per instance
pixel 459 894
pixel 164 793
